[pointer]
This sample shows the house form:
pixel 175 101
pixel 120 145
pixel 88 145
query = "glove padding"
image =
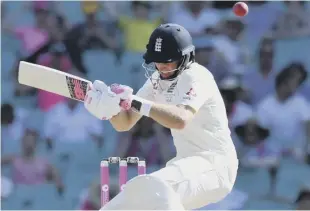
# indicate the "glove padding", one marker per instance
pixel 101 102
pixel 125 94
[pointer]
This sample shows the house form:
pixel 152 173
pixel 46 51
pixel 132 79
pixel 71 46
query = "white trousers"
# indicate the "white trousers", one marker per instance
pixel 200 180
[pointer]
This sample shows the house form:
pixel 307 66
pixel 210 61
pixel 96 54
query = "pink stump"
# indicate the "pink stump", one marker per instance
pixel 122 174
pixel 141 167
pixel 105 183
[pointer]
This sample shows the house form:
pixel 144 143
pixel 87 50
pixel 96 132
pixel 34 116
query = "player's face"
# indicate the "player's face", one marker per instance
pixel 166 69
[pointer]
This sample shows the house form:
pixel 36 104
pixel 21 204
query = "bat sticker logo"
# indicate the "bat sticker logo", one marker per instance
pixel 77 88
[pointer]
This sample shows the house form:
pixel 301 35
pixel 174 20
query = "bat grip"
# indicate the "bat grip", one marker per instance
pixel 125 104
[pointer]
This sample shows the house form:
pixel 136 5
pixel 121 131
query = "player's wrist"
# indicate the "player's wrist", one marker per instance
pixel 141 106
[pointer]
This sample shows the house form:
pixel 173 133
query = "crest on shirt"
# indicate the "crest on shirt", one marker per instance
pixel 170 93
pixel 172 87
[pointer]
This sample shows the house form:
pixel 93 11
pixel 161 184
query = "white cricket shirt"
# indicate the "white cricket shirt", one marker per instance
pixel 208 132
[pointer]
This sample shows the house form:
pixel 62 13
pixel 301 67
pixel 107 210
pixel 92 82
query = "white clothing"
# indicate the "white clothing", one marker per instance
pixel 209 130
pixel 12 134
pixel 206 162
pixel 240 115
pixel 15 131
pixel 66 125
pixel 160 196
pixel 286 121
pixel 207 18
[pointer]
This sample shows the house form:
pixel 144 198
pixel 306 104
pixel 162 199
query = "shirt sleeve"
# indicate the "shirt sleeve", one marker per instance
pixel 195 90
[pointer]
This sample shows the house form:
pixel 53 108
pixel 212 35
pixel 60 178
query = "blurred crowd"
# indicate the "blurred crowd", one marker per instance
pixel 51 147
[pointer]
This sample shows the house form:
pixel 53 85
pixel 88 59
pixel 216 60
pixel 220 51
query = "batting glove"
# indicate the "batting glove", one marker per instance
pixel 125 94
pixel 130 101
pixel 101 102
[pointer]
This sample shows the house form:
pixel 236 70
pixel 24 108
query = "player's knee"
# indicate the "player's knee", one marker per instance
pixel 148 182
pixel 150 187
pixel 156 193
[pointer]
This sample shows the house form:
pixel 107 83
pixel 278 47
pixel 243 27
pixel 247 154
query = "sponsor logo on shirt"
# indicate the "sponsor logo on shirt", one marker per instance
pixel 191 92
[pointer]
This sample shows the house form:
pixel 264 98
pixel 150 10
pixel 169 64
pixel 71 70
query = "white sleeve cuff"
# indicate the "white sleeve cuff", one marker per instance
pixel 141 105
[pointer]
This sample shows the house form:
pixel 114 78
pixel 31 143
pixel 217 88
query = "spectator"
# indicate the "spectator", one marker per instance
pixel 143 142
pixel 305 87
pixel 30 169
pixel 6 187
pixel 13 123
pixel 59 60
pixel 229 43
pixel 32 37
pixel 68 121
pixel 293 22
pixel 92 200
pixel 305 90
pixel 196 16
pixel 286 114
pixel 91 34
pixel 56 30
pixel 259 20
pixel 262 76
pixel 237 111
pixel 208 56
pixel 140 22
pixel 258 151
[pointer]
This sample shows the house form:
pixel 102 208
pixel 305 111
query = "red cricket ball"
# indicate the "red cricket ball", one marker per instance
pixel 241 9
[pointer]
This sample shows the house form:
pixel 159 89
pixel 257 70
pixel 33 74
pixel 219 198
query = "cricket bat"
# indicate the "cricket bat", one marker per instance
pixel 52 80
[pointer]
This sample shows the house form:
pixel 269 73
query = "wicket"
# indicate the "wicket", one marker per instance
pixel 123 177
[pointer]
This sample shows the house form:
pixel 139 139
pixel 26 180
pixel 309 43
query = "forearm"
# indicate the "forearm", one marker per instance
pixel 170 116
pixel 125 120
pixel 120 122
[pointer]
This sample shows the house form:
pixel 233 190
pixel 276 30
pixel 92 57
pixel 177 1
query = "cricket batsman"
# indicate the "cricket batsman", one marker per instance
pixel 182 95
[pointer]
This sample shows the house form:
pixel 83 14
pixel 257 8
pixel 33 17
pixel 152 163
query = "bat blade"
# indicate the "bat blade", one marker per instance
pixel 52 80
